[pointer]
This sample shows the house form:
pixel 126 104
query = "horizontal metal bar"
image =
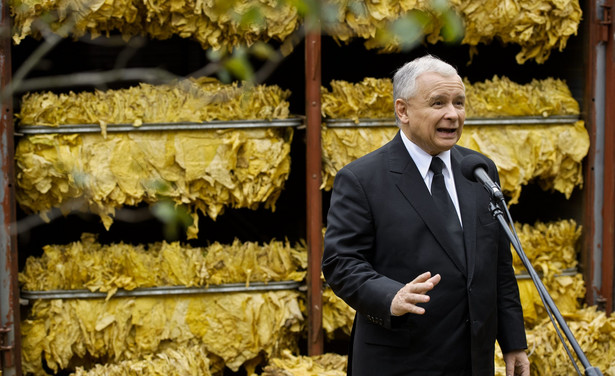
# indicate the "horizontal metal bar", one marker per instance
pixel 162 291
pixel 149 127
pixel 524 120
pixel 508 120
pixel 565 272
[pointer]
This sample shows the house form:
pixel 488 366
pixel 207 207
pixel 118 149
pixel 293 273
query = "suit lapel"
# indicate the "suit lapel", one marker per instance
pixel 466 193
pixel 409 181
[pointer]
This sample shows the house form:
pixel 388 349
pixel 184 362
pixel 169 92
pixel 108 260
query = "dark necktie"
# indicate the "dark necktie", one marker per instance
pixel 445 205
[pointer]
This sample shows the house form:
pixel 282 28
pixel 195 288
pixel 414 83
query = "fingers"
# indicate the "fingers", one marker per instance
pixel 517 363
pixel 423 283
pixel 406 303
pixel 510 369
pixel 413 293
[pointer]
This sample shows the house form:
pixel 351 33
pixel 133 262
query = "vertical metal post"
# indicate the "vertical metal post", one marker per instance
pixel 10 340
pixel 608 251
pixel 313 193
pixel 594 163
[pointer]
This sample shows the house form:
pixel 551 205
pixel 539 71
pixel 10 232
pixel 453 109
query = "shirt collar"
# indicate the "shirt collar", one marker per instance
pixel 422 159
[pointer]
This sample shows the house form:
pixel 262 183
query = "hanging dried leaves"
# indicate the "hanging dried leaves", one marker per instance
pixel 550 154
pixel 502 97
pixel 336 314
pixel 370 98
pixel 236 327
pixel 215 24
pixel 106 268
pixel 373 98
pixel 287 364
pixel 207 170
pixel 191 100
pixel 172 361
pixel 551 247
pixel 538 27
pixel 594 331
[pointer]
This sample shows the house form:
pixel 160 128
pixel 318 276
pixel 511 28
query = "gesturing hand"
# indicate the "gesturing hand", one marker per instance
pixel 412 293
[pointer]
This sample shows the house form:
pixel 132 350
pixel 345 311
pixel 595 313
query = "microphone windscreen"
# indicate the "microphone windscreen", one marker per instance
pixel 470 163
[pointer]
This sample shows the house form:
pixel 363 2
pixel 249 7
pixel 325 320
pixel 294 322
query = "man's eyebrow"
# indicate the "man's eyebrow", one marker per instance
pixel 438 97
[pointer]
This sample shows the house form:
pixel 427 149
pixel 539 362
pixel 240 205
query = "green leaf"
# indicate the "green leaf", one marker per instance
pixel 304 7
pixel 263 51
pixel 252 17
pixel 453 29
pixel 240 67
pixel 174 217
pixel 408 30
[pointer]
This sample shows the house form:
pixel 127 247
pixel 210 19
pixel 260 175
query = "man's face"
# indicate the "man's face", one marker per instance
pixel 433 118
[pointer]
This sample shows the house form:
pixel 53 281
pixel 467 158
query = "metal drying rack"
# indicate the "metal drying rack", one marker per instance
pixel 508 120
pixel 161 291
pixel 149 127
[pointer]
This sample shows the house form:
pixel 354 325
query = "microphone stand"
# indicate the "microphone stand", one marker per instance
pixel 496 211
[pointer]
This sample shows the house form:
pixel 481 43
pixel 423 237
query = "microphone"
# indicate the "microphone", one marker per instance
pixel 474 168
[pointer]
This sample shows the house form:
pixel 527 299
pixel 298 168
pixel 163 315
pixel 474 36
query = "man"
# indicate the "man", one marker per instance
pixel 432 295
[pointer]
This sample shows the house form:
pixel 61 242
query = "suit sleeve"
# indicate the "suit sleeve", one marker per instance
pixel 348 252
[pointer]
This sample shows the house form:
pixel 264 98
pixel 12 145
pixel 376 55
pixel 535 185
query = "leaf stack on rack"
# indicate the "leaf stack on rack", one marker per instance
pixel 550 153
pixel 207 170
pixel 322 365
pixel 215 24
pixel 538 27
pixel 140 329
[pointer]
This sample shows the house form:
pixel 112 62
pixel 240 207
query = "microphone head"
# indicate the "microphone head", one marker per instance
pixel 470 163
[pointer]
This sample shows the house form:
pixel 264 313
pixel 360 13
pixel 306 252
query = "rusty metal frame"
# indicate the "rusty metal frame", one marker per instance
pixel 10 338
pixel 313 192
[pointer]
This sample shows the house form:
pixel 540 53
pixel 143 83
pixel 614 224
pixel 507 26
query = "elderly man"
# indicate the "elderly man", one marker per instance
pixel 412 247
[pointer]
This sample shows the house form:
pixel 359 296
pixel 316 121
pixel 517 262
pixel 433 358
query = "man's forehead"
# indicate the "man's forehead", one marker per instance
pixel 443 89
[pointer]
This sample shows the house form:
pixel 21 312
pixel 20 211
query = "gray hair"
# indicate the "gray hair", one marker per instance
pixel 404 80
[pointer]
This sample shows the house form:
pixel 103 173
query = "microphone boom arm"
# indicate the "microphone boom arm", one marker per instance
pixel 496 212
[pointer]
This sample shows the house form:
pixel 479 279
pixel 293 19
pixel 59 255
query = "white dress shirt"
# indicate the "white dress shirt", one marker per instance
pixel 422 160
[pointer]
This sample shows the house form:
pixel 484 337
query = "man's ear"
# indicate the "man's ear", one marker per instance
pixel 401 110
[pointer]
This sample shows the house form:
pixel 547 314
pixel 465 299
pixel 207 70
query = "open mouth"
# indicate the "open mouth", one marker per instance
pixel 447 130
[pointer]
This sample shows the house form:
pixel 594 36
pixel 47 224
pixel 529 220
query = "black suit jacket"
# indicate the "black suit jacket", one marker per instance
pixel 382 232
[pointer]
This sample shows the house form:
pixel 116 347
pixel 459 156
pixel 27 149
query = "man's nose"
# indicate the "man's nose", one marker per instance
pixel 451 112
